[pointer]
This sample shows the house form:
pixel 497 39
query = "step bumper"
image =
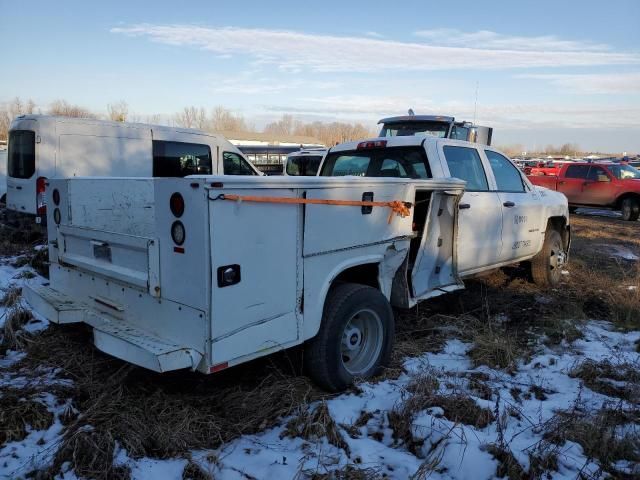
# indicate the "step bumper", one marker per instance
pixel 113 336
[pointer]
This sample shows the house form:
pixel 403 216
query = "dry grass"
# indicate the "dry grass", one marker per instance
pixel 11 296
pixel 193 471
pixel 348 472
pixel 314 425
pixel 620 380
pixel 13 336
pixel 18 413
pixel 423 394
pixel 598 433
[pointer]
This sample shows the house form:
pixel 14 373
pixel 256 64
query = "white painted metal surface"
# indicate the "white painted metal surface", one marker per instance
pixel 74 147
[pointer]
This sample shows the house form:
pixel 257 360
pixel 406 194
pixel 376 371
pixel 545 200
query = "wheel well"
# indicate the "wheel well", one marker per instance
pixel 560 224
pixel 625 196
pixel 365 274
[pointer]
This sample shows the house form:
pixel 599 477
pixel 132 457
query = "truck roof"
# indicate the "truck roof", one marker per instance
pixel 417 118
pixel 37 117
pixel 404 141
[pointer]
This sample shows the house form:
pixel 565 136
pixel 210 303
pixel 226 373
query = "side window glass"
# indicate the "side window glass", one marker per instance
pixel 595 173
pixel 234 164
pixel 507 176
pixel 464 163
pixel 179 159
pixel 577 171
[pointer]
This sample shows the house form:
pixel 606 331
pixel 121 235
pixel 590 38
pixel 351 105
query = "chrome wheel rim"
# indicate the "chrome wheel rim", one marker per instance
pixel 361 342
pixel 557 260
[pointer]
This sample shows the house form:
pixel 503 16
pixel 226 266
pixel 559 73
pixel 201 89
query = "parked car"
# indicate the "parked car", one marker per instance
pixel 208 272
pixel 43 147
pixel 603 185
pixel 304 162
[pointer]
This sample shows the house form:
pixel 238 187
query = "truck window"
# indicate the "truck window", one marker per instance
pixel 179 159
pixel 624 172
pixel 596 172
pixel 404 162
pixel 577 171
pixel 21 161
pixel 234 164
pixel 303 165
pixel 464 163
pixel 507 176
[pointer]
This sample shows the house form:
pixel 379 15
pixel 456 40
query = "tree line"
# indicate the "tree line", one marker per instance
pixel 218 119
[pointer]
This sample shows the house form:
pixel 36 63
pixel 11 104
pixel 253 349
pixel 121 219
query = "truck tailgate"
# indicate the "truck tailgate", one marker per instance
pixel 130 259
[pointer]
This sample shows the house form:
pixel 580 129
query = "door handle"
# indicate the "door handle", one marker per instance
pixel 464 206
pixel 18 187
pixel 562 182
pixel 509 204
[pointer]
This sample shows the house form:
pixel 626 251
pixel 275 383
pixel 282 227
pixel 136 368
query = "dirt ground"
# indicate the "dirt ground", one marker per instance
pixel 169 415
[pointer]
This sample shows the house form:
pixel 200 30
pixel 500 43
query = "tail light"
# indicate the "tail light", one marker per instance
pixel 41 186
pixel 372 144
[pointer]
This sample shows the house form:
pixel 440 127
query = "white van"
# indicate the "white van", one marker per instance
pixel 42 147
pixel 304 163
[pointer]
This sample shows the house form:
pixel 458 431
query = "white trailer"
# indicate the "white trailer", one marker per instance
pixel 44 146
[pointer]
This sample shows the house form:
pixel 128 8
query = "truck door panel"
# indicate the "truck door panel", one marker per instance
pixel 479 221
pixel 572 183
pixel 596 192
pixel 520 209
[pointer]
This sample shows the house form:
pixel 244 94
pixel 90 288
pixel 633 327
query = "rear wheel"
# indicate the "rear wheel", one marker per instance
pixel 355 337
pixel 630 209
pixel 546 266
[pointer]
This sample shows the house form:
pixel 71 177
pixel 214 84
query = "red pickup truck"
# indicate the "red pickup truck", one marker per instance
pixel 608 185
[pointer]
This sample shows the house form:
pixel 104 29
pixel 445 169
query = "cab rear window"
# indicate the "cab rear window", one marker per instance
pixel 400 162
pixel 179 159
pixel 21 159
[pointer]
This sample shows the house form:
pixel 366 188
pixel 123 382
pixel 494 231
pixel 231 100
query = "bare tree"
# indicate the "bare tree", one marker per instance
pixel 12 110
pixel 223 120
pixel 191 117
pixel 285 126
pixel 65 109
pixel 118 111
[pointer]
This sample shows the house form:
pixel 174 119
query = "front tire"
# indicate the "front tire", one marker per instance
pixel 546 266
pixel 630 209
pixel 355 338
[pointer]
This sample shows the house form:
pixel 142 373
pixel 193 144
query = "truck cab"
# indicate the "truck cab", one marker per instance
pixel 435 125
pixel 502 218
pixel 597 184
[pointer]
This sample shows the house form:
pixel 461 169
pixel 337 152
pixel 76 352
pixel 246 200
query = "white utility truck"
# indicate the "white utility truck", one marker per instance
pixel 207 272
pixel 45 146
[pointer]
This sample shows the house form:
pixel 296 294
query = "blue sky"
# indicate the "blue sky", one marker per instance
pixel 546 71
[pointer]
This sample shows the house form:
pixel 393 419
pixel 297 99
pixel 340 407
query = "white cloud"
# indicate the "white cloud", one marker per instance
pixel 593 83
pixel 255 84
pixel 500 116
pixel 294 51
pixel 485 39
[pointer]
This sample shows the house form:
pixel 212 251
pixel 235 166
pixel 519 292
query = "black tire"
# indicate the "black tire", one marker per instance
pixel 573 210
pixel 546 266
pixel 323 354
pixel 630 209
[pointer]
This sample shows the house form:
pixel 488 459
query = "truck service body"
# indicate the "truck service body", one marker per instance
pixel 207 272
pixel 43 146
pixel 592 184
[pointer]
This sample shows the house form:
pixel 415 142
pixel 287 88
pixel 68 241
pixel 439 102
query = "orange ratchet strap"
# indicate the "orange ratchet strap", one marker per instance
pixel 399 208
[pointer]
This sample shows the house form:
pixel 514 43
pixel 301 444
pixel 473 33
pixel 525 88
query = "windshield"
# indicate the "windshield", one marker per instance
pixel 624 172
pixel 306 166
pixel 413 128
pixel 402 162
pixel 22 154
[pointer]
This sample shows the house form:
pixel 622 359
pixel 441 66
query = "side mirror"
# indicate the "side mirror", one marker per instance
pixel 603 178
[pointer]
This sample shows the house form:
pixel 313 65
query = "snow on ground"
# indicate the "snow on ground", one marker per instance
pixel 524 401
